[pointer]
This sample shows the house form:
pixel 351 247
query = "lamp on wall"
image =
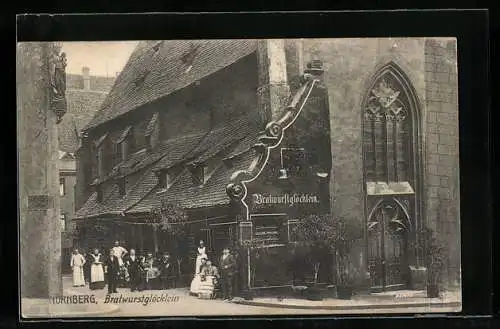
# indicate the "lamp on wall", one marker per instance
pixel 322 174
pixel 283 174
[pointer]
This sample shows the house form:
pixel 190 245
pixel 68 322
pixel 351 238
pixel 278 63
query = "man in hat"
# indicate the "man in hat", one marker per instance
pixel 167 272
pixel 228 271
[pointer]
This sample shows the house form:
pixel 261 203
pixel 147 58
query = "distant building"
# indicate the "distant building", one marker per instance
pixel 183 117
pixel 84 93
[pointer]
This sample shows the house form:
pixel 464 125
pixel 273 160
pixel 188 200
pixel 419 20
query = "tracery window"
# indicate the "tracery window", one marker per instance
pixel 387 134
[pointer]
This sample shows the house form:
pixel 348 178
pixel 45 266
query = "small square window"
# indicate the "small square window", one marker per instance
pixel 62 186
pixel 62 219
pixel 292 227
pixel 294 161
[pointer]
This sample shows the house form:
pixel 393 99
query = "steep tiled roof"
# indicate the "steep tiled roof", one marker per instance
pixel 82 105
pixel 114 203
pixel 168 153
pixel 143 195
pixel 158 68
pixel 187 195
pixel 224 136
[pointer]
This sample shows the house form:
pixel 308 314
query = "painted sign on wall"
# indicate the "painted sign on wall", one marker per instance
pixel 285 199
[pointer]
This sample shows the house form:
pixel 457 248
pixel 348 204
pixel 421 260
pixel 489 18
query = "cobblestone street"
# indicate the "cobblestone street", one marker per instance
pixel 178 302
pixel 183 304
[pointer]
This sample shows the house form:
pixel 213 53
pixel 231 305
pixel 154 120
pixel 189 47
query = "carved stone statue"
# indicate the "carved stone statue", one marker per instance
pixel 58 84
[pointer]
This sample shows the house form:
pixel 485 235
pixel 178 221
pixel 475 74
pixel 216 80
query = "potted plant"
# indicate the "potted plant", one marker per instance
pixel 336 236
pixel 435 255
pixel 348 234
pixel 314 237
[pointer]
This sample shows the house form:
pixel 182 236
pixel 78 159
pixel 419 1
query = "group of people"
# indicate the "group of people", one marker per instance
pixel 146 272
pixel 208 279
pixel 139 272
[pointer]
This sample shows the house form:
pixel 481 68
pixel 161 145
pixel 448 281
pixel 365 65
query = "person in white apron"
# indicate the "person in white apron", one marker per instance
pixel 119 252
pixel 201 253
pixel 77 262
pixel 96 271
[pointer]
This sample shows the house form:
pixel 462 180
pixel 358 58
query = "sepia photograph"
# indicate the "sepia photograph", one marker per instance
pixel 168 178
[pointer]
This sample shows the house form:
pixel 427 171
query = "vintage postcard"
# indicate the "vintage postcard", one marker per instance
pixel 238 177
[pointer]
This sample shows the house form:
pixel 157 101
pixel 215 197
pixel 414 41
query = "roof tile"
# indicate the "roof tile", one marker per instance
pixel 166 70
pixel 82 105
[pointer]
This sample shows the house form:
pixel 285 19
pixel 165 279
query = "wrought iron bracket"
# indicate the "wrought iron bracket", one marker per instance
pixel 273 136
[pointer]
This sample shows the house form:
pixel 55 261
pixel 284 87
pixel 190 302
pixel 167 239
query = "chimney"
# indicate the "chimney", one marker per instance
pixel 273 90
pixel 86 78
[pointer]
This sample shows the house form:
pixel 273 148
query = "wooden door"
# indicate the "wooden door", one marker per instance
pixel 387 246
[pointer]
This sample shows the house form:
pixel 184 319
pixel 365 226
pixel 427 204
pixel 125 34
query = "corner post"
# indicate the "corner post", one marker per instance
pixel 41 106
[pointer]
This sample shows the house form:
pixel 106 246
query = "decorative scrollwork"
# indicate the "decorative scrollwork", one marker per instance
pixel 274 130
pixel 236 191
pixel 273 135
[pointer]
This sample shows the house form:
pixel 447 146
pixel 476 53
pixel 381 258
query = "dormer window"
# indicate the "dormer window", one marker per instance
pixel 293 162
pixel 162 179
pixel 118 151
pixel 99 193
pixel 147 138
pixel 198 174
pixel 122 188
pixel 99 146
pixel 125 143
pixel 151 129
pixel 141 77
pixel 157 47
pixel 166 178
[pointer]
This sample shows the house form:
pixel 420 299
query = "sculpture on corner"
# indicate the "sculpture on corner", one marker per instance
pixel 57 72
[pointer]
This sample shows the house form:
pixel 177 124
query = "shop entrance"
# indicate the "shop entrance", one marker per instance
pixel 221 236
pixel 388 228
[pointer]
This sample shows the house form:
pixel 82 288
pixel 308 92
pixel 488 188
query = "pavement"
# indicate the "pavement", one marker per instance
pixel 81 302
pixel 449 301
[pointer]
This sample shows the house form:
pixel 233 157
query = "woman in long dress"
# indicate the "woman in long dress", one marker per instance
pixel 196 282
pixel 77 262
pixel 201 253
pixel 97 271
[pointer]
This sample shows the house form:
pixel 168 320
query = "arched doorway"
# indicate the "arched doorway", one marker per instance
pixel 388 230
pixel 392 176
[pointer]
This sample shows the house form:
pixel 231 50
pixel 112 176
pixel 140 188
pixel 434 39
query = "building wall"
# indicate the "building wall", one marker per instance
pixel 430 66
pixel 443 207
pixel 40 235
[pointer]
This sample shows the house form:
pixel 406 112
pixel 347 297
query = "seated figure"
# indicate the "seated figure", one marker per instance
pixel 208 281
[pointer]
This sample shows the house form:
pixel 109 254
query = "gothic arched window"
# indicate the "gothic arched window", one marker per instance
pixel 387 133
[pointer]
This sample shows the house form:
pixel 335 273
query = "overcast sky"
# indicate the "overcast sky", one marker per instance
pixel 102 58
